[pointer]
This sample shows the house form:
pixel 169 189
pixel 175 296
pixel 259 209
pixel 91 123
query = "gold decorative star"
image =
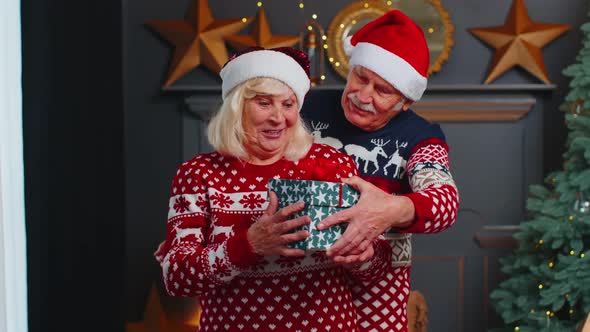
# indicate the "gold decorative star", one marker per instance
pixel 155 319
pixel 519 42
pixel 261 36
pixel 197 40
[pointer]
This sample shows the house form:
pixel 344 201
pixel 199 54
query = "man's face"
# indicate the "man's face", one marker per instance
pixel 369 102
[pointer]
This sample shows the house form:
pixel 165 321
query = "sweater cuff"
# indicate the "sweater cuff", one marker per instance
pixel 240 252
pixel 420 215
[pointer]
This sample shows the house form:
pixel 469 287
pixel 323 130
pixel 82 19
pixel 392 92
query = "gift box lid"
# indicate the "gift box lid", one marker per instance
pixel 317 193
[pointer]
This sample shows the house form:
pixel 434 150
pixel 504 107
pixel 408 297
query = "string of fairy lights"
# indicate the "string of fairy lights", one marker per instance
pixel 324 37
pixel 302 6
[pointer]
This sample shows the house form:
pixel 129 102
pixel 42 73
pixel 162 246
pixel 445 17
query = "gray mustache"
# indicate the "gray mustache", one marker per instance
pixel 365 107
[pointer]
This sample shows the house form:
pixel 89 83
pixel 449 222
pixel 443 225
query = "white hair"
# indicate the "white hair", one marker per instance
pixel 226 131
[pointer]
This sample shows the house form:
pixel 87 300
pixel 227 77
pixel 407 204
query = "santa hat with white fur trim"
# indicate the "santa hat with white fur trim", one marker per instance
pixel 285 64
pixel 394 47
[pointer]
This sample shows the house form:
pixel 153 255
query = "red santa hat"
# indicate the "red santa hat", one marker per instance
pixel 394 47
pixel 285 64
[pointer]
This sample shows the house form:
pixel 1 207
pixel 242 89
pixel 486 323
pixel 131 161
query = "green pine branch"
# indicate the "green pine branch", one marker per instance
pixel 547 284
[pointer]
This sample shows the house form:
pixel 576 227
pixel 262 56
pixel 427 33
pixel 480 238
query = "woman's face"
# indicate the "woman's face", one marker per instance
pixel 269 122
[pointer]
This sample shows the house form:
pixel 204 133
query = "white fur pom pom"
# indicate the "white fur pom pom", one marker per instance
pixel 348 47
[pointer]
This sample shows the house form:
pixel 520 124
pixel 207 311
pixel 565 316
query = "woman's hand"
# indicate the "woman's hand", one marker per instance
pixel 355 257
pixel 270 234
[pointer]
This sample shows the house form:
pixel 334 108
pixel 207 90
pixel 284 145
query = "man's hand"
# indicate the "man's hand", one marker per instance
pixel 375 212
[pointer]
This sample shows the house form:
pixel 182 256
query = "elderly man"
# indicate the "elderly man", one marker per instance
pixel 397 152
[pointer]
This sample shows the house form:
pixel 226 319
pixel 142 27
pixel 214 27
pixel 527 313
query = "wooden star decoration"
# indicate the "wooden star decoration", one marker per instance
pixel 519 42
pixel 155 319
pixel 197 40
pixel 261 36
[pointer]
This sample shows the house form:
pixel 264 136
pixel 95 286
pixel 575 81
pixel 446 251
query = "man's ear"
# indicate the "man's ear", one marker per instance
pixel 407 104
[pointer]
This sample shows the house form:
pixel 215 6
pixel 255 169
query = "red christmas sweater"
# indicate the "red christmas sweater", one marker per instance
pixel 214 200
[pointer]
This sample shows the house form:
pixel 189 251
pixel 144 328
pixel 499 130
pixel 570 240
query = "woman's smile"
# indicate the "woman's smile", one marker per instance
pixel 273 133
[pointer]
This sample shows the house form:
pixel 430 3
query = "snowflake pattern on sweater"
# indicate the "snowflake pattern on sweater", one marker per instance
pixel 214 200
pixel 409 157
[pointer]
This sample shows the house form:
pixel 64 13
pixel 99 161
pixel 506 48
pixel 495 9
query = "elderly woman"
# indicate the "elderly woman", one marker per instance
pixel 224 241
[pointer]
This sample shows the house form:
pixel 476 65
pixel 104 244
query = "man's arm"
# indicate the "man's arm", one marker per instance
pixel 434 193
pixel 375 212
pixel 431 207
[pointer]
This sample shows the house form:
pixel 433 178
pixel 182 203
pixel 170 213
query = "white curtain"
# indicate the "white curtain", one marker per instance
pixel 13 260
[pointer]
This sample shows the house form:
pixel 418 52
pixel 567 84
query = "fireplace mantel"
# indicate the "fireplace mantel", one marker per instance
pixel 441 103
pixel 433 87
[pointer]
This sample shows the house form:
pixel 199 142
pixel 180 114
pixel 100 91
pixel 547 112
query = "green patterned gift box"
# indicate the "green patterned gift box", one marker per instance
pixel 321 200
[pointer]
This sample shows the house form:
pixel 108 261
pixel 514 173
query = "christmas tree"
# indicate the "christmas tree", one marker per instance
pixel 548 274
